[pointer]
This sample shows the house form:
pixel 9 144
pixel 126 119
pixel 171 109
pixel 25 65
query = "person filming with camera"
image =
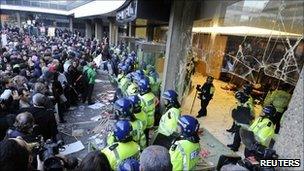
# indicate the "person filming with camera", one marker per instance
pixel 205 94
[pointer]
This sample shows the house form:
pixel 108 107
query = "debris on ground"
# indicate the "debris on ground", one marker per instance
pixel 90 124
pixel 72 148
pixel 78 133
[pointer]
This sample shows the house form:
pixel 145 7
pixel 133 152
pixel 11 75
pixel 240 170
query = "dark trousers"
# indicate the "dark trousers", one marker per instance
pixel 71 96
pixel 237 138
pixel 277 121
pixel 90 91
pixel 232 127
pixel 157 115
pixel 61 108
pixel 203 110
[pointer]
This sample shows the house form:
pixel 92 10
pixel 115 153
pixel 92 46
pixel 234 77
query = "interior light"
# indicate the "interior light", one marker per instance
pixel 243 30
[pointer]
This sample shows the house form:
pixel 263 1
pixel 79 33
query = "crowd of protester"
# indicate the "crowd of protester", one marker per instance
pixel 42 78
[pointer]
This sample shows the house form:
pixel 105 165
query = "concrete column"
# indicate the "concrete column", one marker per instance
pixel 71 24
pixel 18 19
pixel 98 29
pixel 178 44
pixel 113 32
pixel 290 141
pixel 88 29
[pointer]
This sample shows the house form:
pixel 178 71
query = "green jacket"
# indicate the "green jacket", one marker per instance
pixel 148 102
pixel 168 122
pixel 279 99
pixel 91 74
pixel 184 155
pixel 119 151
pixel 263 130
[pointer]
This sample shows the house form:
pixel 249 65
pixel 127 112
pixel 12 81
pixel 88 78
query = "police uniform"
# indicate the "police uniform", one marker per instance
pixel 123 85
pixel 184 155
pixel 138 133
pixel 280 100
pixel 168 122
pixel 142 117
pixel 263 130
pixel 148 101
pixel 119 77
pixel 154 85
pixel 132 89
pixel 167 128
pixel 120 151
pixel 250 104
pixel 206 94
pixel 237 139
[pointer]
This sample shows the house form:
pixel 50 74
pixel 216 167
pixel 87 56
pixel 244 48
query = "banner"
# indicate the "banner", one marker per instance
pixel 51 31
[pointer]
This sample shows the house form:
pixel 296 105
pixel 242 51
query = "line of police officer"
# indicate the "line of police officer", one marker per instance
pixel 135 106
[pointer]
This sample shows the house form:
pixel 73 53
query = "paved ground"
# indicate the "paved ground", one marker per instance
pixel 92 125
pixel 219 110
pixel 84 122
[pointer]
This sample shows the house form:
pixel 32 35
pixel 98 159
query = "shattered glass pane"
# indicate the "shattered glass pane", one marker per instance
pixel 278 53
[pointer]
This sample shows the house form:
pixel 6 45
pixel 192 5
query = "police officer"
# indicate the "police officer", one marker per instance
pixel 139 114
pixel 23 127
pixel 263 127
pixel 168 122
pixel 247 89
pixel 242 108
pixel 124 110
pixel 279 99
pixel 154 82
pixel 132 88
pixel 184 152
pixel 120 72
pixel 148 103
pixel 124 147
pixel 206 94
pixel 124 81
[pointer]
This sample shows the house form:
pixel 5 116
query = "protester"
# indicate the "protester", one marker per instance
pixel 95 161
pixel 14 155
pixel 154 157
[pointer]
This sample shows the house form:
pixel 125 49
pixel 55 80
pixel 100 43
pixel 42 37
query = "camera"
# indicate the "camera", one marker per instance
pixel 48 151
pixel 198 87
